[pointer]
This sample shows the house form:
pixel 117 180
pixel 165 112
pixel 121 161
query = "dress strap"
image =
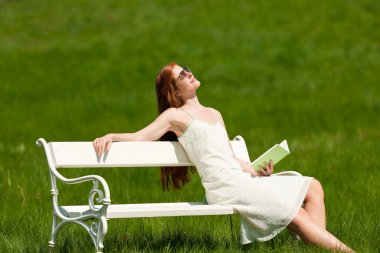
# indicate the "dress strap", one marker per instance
pixel 187 113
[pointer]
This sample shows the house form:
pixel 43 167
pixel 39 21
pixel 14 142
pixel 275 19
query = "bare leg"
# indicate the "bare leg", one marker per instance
pixel 314 204
pixel 312 233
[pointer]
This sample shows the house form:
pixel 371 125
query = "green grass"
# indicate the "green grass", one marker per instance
pixel 305 71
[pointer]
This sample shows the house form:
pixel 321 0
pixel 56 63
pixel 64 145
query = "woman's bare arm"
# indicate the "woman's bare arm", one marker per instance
pixel 162 124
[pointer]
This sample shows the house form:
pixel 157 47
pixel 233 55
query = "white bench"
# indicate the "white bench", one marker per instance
pixel 122 154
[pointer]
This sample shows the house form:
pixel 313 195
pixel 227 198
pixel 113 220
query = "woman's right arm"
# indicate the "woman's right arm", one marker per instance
pixel 162 124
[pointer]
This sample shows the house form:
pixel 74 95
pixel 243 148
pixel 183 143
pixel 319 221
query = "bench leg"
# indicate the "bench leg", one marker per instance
pixel 97 230
pixel 54 231
pixel 52 236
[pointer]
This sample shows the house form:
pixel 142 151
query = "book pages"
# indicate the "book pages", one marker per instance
pixel 275 153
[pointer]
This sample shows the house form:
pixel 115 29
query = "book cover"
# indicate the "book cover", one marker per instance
pixel 275 153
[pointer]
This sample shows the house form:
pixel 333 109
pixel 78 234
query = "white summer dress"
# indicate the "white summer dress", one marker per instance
pixel 266 204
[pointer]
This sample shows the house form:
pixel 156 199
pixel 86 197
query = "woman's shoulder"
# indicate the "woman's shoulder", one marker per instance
pixel 175 114
pixel 214 110
pixel 177 118
pixel 172 112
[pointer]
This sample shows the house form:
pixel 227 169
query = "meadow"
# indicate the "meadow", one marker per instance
pixel 305 71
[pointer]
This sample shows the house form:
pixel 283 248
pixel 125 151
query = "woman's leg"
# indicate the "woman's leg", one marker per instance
pixel 312 233
pixel 314 204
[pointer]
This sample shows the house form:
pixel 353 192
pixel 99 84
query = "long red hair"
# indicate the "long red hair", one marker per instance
pixel 166 89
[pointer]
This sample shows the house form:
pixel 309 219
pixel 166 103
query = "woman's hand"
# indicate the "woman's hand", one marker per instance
pixel 267 169
pixel 253 172
pixel 102 144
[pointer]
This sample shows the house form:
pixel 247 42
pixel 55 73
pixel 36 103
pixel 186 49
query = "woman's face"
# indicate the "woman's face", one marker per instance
pixel 186 82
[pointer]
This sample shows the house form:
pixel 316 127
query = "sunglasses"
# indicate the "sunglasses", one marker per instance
pixel 184 73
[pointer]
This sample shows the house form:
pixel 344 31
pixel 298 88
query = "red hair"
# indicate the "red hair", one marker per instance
pixel 166 89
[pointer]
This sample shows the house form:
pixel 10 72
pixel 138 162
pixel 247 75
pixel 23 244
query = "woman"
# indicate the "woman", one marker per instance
pixel 267 204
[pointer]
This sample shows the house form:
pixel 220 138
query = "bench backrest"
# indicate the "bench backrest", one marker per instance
pixel 129 154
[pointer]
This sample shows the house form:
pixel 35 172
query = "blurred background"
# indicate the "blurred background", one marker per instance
pixel 305 71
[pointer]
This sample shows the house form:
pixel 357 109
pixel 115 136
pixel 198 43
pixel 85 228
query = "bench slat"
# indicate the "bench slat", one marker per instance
pixel 155 210
pixel 128 154
pixel 122 154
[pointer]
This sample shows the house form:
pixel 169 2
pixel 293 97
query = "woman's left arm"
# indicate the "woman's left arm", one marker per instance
pixel 267 171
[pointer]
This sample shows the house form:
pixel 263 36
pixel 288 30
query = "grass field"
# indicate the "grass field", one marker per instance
pixel 305 71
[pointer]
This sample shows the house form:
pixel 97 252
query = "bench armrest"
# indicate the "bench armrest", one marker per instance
pixel 287 173
pixel 102 197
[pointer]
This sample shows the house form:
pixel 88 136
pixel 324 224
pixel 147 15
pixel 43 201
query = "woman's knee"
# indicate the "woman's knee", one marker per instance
pixel 315 190
pixel 318 187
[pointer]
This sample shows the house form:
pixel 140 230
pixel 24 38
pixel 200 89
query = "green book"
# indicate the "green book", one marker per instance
pixel 275 153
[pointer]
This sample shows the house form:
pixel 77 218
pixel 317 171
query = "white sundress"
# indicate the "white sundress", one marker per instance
pixel 266 204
